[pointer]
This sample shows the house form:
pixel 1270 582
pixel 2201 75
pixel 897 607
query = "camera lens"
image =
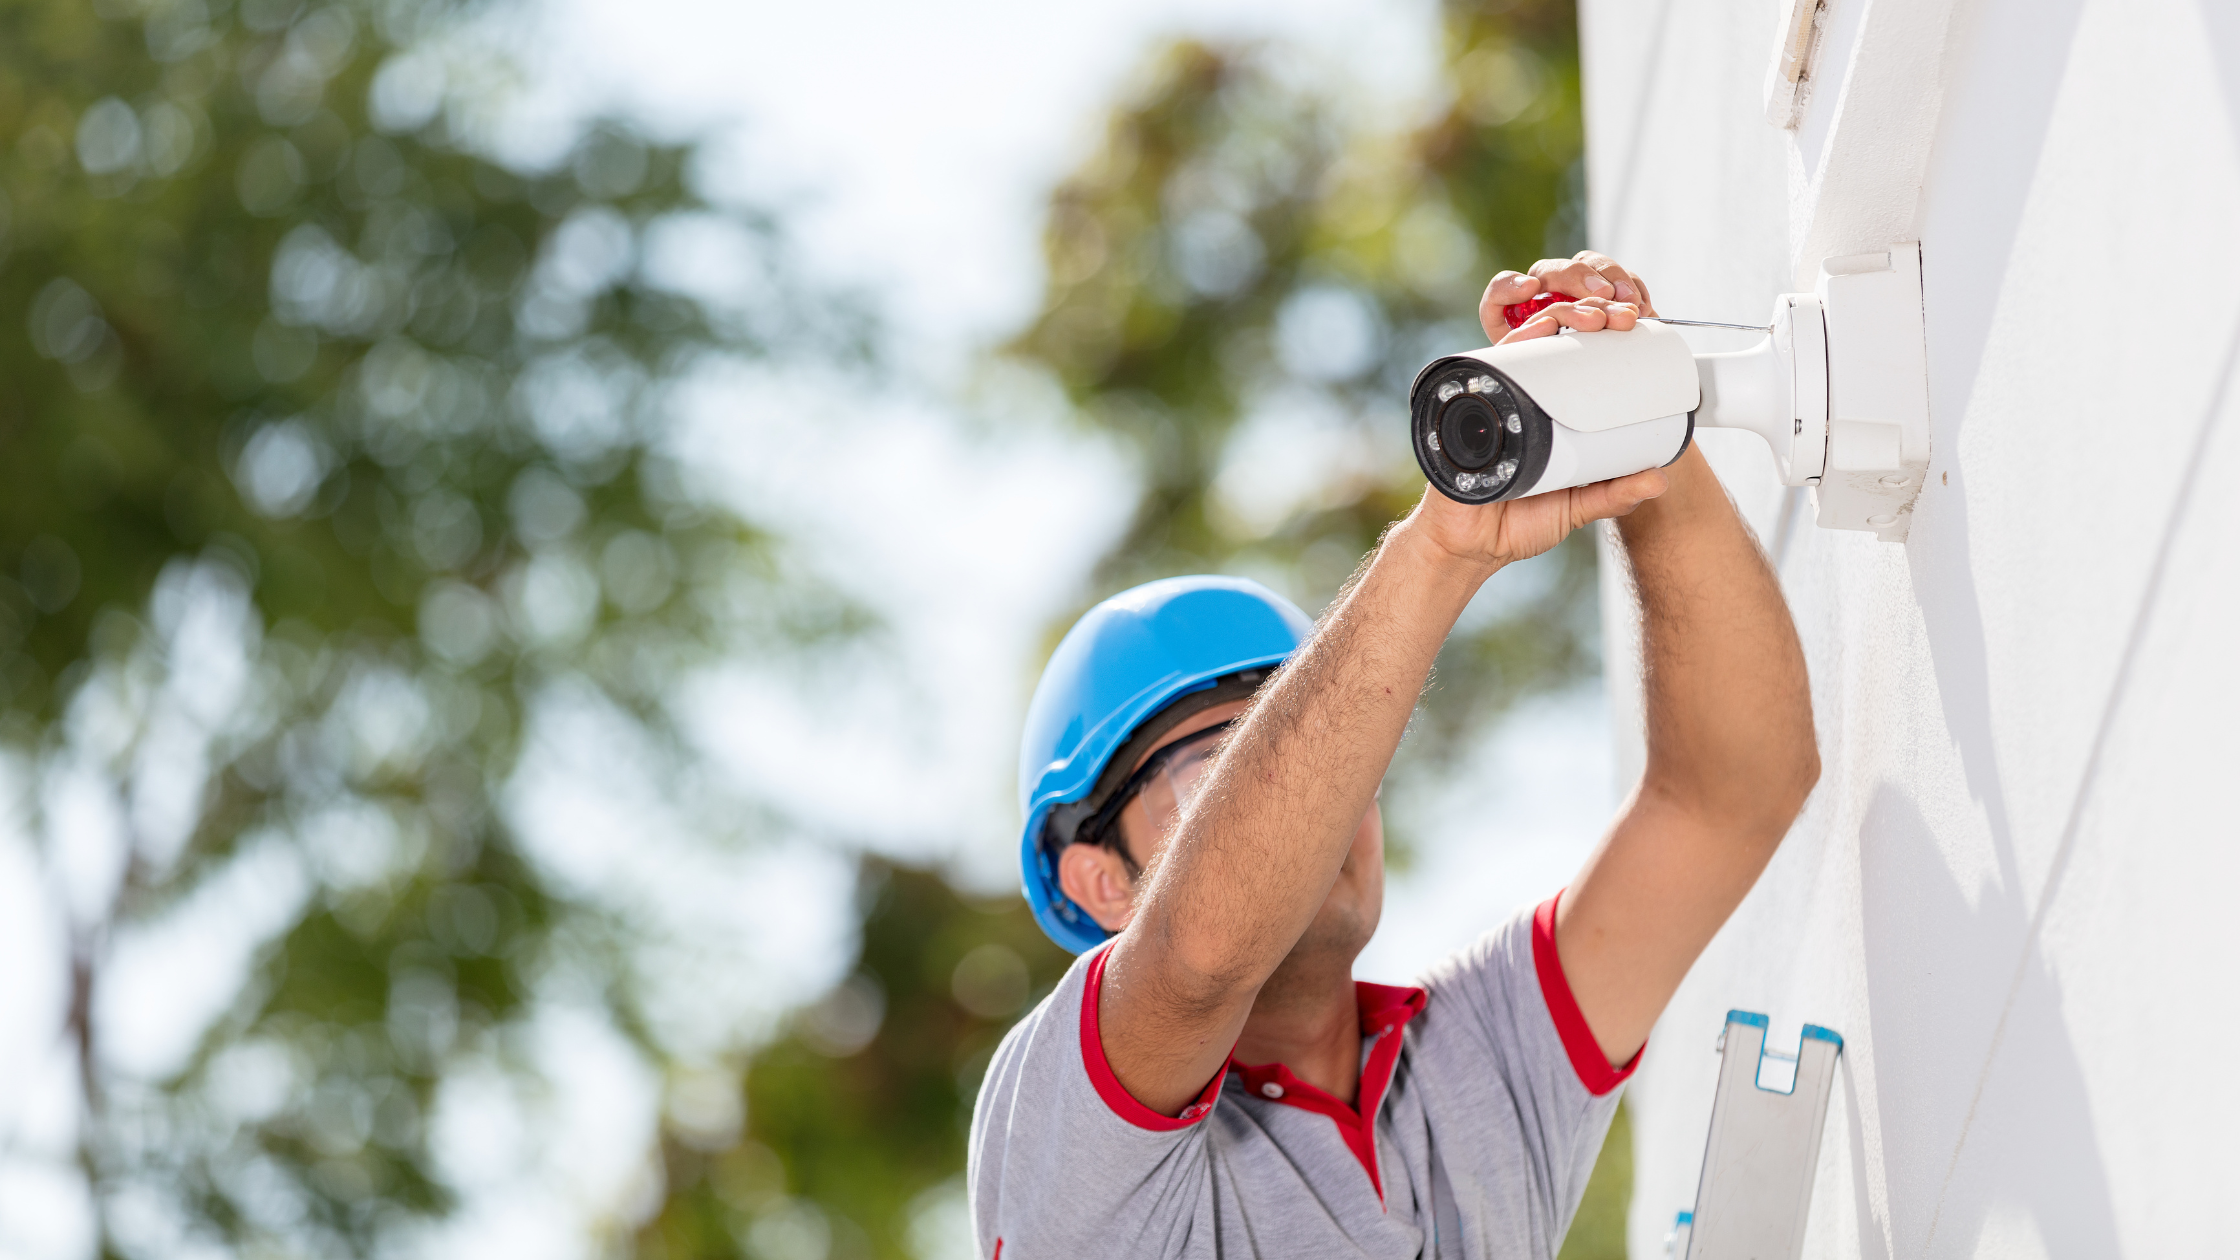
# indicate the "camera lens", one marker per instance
pixel 1469 432
pixel 1478 435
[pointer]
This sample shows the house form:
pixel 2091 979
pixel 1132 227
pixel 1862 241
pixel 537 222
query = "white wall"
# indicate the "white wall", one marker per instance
pixel 2017 889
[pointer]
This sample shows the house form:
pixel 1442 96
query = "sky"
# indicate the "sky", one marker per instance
pixel 917 143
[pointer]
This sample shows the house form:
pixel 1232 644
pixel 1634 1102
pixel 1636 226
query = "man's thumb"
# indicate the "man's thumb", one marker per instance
pixel 1623 494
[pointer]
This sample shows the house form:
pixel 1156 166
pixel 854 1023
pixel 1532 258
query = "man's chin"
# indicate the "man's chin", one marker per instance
pixel 1336 935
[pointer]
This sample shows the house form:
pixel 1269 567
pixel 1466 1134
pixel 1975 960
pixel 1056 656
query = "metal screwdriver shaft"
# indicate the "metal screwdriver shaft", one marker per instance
pixel 1522 311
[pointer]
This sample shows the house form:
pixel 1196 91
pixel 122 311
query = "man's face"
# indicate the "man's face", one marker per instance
pixel 1099 882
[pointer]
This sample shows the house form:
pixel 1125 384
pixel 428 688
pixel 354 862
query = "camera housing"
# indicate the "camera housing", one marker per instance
pixel 1569 410
pixel 1838 389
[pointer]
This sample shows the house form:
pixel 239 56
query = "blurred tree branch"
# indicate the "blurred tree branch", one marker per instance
pixel 340 449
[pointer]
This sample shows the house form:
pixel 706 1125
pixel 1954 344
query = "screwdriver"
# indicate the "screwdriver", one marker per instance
pixel 1518 313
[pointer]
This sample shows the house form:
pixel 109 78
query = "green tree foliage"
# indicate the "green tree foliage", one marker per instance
pixel 335 449
pixel 858 1116
pixel 1598 1232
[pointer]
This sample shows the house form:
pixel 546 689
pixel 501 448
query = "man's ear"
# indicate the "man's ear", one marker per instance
pixel 1098 882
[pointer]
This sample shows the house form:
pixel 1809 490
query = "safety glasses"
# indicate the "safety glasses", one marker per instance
pixel 1167 781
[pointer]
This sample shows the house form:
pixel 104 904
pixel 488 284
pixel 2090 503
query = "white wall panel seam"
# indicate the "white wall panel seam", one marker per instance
pixel 2119 687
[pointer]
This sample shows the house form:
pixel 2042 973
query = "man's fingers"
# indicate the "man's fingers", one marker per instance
pixel 1555 319
pixel 1506 289
pixel 1511 287
pixel 1616 497
pixel 1630 286
pixel 1541 325
pixel 1585 278
pixel 1584 315
pixel 1645 304
pixel 1573 278
pixel 1625 286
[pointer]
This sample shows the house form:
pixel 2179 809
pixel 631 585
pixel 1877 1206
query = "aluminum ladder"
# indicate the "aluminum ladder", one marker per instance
pixel 1764 1145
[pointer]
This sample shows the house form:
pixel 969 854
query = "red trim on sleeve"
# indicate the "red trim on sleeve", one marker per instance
pixel 1586 1054
pixel 1109 1088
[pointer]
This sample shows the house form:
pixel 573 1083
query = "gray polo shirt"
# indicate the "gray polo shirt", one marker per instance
pixel 1485 1097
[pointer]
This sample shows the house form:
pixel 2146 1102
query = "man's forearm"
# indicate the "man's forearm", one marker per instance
pixel 1256 857
pixel 1730 759
pixel 1729 717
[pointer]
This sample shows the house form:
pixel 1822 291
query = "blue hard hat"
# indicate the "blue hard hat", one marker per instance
pixel 1126 661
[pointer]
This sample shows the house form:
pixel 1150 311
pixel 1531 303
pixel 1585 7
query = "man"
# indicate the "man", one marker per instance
pixel 1212 1081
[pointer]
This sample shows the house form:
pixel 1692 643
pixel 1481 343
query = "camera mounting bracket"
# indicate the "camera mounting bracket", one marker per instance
pixel 1878 392
pixel 1838 390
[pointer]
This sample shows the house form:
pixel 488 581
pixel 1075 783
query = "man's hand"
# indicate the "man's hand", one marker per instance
pixel 1489 535
pixel 1596 281
pixel 1604 296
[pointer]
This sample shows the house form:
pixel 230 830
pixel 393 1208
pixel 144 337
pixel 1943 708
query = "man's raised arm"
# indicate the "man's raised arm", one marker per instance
pixel 1255 857
pixel 1731 754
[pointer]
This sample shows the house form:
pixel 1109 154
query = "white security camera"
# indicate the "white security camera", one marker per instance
pixel 1837 389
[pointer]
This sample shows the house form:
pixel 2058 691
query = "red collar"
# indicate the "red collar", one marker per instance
pixel 1385 1011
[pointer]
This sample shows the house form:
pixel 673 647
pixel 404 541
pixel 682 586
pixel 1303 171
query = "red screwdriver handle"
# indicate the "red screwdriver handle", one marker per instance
pixel 1519 312
pixel 1522 311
